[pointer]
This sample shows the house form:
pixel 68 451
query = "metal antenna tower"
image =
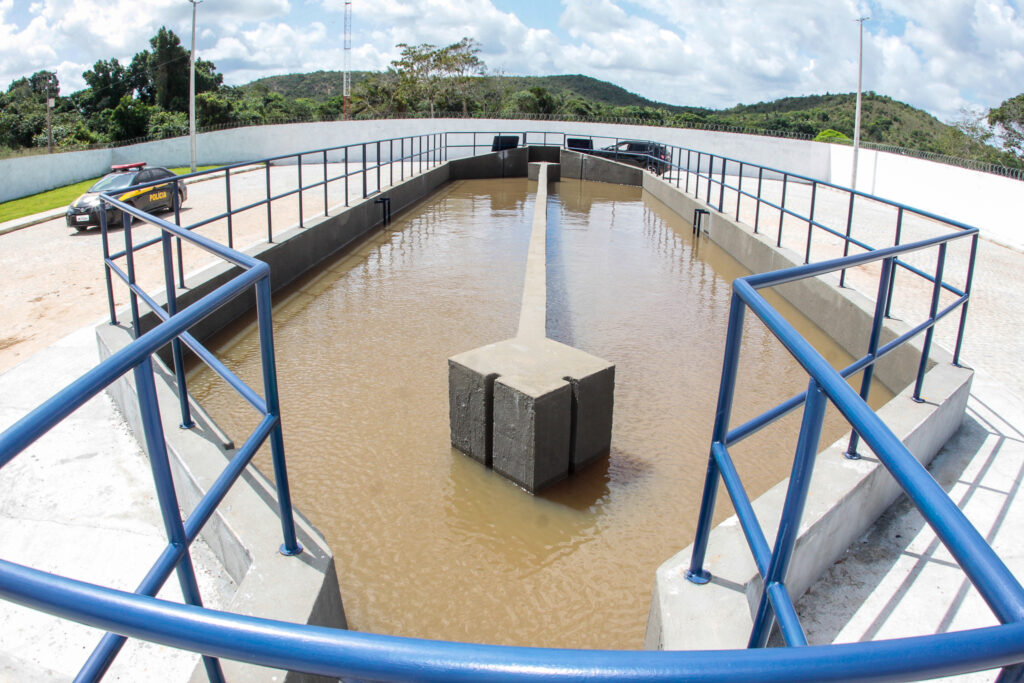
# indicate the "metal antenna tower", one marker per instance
pixel 347 81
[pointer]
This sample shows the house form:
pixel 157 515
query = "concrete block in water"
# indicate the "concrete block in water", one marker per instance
pixel 556 401
pixel 531 430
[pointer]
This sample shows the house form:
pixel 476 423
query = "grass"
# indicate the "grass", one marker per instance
pixel 58 197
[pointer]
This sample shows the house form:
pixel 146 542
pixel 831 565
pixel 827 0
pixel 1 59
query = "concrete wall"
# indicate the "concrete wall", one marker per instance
pixel 984 200
pixel 28 175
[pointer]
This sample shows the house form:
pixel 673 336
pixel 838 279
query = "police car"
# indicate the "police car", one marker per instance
pixel 155 194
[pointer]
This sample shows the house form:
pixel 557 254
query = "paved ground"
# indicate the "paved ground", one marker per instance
pixel 52 276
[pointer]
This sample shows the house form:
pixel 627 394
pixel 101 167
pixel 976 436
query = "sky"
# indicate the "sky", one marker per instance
pixel 943 56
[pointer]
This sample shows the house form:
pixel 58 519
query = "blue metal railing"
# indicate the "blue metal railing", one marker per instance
pixel 986 571
pixel 137 358
pixel 346 654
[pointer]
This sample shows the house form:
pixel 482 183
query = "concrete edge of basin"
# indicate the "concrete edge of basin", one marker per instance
pixel 245 531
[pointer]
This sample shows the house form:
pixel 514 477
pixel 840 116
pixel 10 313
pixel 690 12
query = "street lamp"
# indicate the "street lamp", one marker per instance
pixel 856 121
pixel 192 90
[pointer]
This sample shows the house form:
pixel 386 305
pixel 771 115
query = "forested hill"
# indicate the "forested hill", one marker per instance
pixel 885 120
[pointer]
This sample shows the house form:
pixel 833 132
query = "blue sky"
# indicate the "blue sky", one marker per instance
pixel 942 56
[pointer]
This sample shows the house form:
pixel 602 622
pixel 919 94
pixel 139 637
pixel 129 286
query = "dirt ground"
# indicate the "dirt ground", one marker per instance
pixel 52 276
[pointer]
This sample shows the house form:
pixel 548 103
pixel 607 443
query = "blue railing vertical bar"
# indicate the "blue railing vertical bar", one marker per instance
pixel 876 334
pixel 926 350
pixel 967 293
pixel 176 354
pixel 846 242
pixel 229 212
pixel 789 526
pixel 782 207
pixel 723 412
pixel 266 331
pixel 810 222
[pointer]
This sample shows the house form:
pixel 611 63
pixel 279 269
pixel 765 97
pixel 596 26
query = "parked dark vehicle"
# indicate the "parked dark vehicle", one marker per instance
pixel 158 194
pixel 579 144
pixel 503 142
pixel 643 153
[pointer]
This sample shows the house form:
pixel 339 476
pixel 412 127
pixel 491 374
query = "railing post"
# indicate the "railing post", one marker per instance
pixel 730 365
pixel 104 235
pixel 290 546
pixel 688 152
pixel 401 153
pixel 721 186
pixel 793 508
pixel 129 255
pixel 810 222
pixel 298 165
pixel 227 201
pixel 876 334
pixel 967 293
pixel 149 409
pixel 936 291
pixel 364 170
pixel 892 282
pixel 391 161
pixel 270 213
pixel 739 191
pixel 782 207
pixel 711 171
pixel 325 183
pixel 346 175
pixel 172 309
pixel 757 207
pixel 846 242
pixel 378 165
pixel 176 202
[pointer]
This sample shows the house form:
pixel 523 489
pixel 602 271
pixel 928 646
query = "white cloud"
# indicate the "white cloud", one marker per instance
pixel 942 56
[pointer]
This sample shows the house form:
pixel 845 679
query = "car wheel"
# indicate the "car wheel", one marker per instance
pixel 652 167
pixel 81 228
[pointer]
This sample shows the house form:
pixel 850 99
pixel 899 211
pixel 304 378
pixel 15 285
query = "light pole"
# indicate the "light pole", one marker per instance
pixel 856 120
pixel 192 90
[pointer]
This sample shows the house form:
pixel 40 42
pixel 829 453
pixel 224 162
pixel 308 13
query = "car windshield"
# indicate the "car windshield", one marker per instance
pixel 114 181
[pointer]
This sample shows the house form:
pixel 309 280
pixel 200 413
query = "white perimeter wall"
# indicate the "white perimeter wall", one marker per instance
pixel 983 200
pixel 988 201
pixel 28 175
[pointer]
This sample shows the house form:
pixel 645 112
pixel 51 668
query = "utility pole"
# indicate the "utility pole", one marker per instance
pixel 347 80
pixel 856 120
pixel 192 90
pixel 49 128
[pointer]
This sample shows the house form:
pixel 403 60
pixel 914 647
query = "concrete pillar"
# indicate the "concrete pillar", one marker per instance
pixel 533 409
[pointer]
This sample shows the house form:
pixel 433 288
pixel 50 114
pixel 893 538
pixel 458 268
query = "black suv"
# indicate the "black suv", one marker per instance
pixel 643 153
pixel 85 211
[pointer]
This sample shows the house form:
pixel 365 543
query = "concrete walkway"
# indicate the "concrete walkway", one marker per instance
pixel 81 502
pixel 899 580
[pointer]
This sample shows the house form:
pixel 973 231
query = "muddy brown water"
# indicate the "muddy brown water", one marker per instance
pixel 427 542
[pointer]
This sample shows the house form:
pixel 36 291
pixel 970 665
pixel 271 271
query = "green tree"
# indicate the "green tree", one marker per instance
pixel 419 69
pixel 214 109
pixel 1008 120
pixel 108 82
pixel 460 65
pixel 167 124
pixel 129 119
